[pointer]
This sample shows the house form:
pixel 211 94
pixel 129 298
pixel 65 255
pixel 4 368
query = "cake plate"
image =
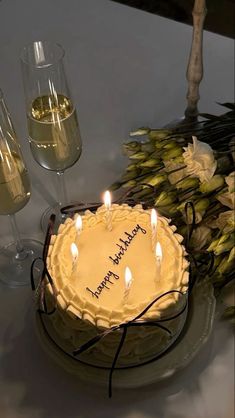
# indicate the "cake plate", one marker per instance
pixel 195 334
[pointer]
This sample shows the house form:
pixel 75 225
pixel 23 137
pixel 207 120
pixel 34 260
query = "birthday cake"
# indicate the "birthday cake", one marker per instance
pixel 93 295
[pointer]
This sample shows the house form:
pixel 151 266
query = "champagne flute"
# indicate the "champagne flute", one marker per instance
pixel 53 128
pixel 15 258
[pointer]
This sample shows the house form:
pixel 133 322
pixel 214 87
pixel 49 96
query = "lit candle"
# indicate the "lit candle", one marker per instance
pixel 158 254
pixel 154 227
pixel 78 224
pixel 74 253
pixel 128 283
pixel 107 203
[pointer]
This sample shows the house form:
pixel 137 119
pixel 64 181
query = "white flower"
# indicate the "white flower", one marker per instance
pixel 199 159
pixel 225 221
pixel 230 180
pixel 227 199
pixel 200 237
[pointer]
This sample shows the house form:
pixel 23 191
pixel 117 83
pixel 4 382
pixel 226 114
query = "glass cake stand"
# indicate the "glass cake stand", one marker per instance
pixel 194 335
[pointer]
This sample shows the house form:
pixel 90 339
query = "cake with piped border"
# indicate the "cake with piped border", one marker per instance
pixel 91 291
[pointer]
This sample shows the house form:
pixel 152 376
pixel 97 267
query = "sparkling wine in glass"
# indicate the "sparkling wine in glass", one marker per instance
pixel 53 127
pixel 16 257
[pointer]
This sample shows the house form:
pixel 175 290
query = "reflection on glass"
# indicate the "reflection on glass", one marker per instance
pixel 15 258
pixel 53 127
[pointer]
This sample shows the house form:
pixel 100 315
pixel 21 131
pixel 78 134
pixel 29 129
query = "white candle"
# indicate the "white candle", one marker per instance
pixel 107 203
pixel 158 255
pixel 78 224
pixel 154 227
pixel 128 283
pixel 74 253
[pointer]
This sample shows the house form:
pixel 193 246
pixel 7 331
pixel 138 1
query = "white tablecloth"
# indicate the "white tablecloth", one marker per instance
pixel 127 69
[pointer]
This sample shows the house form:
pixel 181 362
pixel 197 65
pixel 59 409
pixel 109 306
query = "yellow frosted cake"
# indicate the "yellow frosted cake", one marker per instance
pixel 92 295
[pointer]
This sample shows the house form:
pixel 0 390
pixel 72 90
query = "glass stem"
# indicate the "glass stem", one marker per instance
pixel 21 253
pixel 62 193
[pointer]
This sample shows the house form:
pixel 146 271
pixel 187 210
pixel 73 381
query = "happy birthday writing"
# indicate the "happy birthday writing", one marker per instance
pixel 116 258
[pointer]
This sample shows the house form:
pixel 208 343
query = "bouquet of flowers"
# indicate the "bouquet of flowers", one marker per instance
pixel 191 166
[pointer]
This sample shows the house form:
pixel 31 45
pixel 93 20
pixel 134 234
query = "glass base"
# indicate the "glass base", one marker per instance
pixel 15 270
pixel 46 217
pixel 71 208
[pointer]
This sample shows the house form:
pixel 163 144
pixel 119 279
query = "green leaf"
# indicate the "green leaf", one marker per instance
pixel 228 105
pixel 208 116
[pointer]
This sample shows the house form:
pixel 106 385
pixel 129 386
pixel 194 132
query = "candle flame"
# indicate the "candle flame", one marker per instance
pixel 128 278
pixel 74 251
pixel 78 224
pixel 158 251
pixel 154 219
pixel 107 199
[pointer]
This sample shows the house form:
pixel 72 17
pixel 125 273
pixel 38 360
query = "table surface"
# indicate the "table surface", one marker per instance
pixel 127 69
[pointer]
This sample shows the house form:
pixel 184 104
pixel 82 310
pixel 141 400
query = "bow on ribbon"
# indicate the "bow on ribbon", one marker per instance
pixel 135 322
pixel 45 277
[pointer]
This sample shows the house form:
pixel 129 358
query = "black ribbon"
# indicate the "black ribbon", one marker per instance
pixel 45 277
pixel 135 322
pixel 93 206
pixel 208 259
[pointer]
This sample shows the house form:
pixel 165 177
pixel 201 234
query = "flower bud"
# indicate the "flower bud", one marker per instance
pixel 132 146
pixel 225 246
pixel 230 181
pixel 130 183
pixel 140 132
pixel 225 265
pixel 179 160
pixel 159 134
pixel 129 175
pixel 201 205
pixel 156 180
pixel 188 183
pixel 189 217
pixel 223 238
pixel 230 227
pixel 131 167
pixel 150 163
pixel 139 156
pixel 172 153
pixel 147 146
pixel 231 257
pixel 165 198
pixel 214 183
pixel 170 144
pixel 182 230
pixel 160 144
pixel 213 245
